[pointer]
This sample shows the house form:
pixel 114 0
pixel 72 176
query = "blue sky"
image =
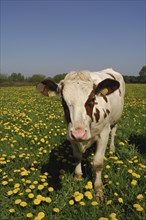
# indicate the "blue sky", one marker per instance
pixel 53 37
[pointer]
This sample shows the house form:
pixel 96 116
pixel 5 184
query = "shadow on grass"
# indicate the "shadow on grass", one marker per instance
pixel 61 158
pixel 139 141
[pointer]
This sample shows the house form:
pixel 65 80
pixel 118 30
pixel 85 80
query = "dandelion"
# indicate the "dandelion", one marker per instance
pixel 94 203
pixel 136 175
pixel 24 173
pixel 50 189
pixel 134 182
pixel 37 201
pixel 23 204
pixel 18 201
pixel 138 207
pixel 48 200
pixel 71 202
pixel 12 210
pixel 9 193
pixel 106 176
pixel 31 195
pixel 82 203
pixel 109 202
pixel 88 195
pixel 120 200
pixel 17 185
pixel 56 210
pixel 42 140
pixel 113 216
pixel 89 185
pixel 40 187
pixel 29 215
pixel 108 166
pixel 4 183
pixel 41 215
pixel 140 196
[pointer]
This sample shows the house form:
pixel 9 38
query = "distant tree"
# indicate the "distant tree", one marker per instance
pixel 3 78
pixel 59 77
pixel 143 71
pixel 16 77
pixel 36 78
pixel 142 74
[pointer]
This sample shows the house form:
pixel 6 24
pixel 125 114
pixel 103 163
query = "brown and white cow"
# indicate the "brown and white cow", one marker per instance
pixel 93 104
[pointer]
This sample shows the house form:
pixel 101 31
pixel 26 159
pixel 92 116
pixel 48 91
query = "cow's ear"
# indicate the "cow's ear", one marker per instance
pixel 47 85
pixel 107 86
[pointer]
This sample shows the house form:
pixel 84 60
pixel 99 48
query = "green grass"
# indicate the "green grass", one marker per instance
pixel 36 163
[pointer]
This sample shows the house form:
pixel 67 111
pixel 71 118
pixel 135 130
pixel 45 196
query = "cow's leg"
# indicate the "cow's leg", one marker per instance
pixel 78 157
pixel 113 134
pixel 98 161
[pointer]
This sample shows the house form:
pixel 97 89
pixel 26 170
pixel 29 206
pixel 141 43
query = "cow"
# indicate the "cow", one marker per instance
pixel 93 104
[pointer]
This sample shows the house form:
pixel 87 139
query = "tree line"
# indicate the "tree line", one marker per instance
pixel 20 78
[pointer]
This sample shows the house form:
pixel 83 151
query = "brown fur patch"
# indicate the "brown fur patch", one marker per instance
pixel 108 111
pixel 66 111
pixel 89 105
pixel 97 115
pixel 105 115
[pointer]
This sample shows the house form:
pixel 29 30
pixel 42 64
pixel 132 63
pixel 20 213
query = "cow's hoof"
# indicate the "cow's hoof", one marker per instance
pixel 78 177
pixel 99 194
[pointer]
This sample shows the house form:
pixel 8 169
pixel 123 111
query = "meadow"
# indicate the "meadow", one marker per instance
pixel 36 163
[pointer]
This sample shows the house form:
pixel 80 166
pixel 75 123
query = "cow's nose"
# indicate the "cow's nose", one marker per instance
pixel 79 134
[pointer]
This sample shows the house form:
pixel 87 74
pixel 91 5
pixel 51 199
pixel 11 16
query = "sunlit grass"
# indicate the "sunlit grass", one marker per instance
pixel 36 163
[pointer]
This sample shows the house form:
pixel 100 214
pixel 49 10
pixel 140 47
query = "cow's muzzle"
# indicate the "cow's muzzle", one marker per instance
pixel 79 134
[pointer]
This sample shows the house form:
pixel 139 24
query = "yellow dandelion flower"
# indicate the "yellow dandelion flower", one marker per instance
pixel 71 202
pixel 31 195
pixel 12 210
pixel 134 182
pixel 108 166
pixel 106 176
pixel 23 204
pixel 138 207
pixel 120 200
pixel 109 202
pixel 56 210
pixel 4 183
pixel 40 187
pixel 32 187
pixel 48 200
pixel 112 215
pixel 76 193
pixel 28 190
pixel 82 203
pixel 17 185
pixel 89 185
pixel 29 215
pixel 50 189
pixel 88 195
pixel 37 201
pixel 94 203
pixel 9 193
pixel 136 175
pixel 130 171
pixel 42 140
pixel 140 196
pixel 41 215
pixel 18 201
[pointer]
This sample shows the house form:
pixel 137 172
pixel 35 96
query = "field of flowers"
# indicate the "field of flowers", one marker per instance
pixel 36 163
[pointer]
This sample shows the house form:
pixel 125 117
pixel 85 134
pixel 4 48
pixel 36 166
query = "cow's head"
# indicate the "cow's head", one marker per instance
pixel 79 94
